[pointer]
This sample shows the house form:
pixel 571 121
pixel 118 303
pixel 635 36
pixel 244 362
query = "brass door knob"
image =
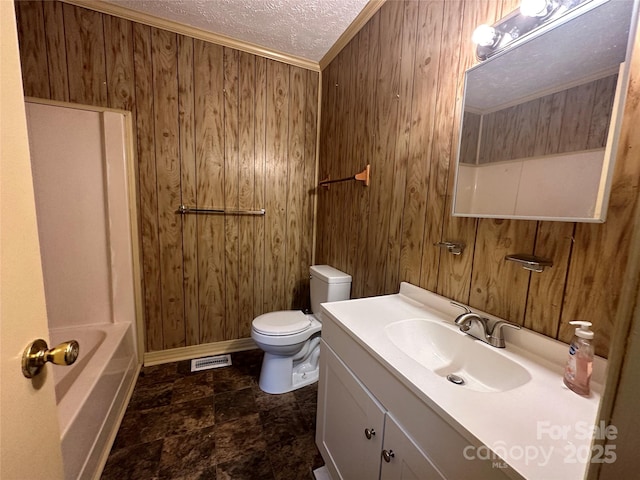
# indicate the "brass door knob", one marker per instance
pixel 37 354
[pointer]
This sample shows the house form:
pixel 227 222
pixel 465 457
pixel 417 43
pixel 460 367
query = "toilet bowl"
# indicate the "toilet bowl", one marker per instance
pixel 291 339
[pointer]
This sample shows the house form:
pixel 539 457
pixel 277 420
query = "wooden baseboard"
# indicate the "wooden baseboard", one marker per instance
pixel 195 351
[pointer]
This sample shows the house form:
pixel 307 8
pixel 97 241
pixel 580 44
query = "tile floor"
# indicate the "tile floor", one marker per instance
pixel 215 425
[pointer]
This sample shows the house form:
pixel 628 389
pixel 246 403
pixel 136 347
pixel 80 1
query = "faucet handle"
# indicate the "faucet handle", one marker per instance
pixel 459 305
pixel 496 334
pixel 503 323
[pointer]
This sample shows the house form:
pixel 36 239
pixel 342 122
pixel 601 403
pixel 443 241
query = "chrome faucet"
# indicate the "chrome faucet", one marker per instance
pixel 482 328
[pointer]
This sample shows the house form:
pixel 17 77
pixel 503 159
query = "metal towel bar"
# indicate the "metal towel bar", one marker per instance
pixel 182 209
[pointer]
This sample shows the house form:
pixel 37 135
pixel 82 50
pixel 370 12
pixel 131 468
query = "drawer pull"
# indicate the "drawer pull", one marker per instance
pixel 388 455
pixel 369 432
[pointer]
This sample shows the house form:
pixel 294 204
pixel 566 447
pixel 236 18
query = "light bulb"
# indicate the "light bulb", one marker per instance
pixel 484 35
pixel 534 8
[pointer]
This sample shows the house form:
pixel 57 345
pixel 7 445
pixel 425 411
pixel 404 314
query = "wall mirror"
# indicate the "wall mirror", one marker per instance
pixel 540 120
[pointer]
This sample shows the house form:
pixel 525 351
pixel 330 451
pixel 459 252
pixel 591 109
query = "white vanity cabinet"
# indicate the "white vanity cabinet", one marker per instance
pixel 357 437
pixel 359 393
pixel 384 364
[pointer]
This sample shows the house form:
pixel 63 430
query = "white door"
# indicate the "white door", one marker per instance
pixel 29 432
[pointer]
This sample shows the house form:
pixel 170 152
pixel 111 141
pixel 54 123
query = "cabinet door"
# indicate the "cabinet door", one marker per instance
pixel 345 410
pixel 402 459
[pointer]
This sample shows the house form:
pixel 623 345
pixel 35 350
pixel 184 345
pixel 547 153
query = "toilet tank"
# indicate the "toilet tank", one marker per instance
pixel 328 284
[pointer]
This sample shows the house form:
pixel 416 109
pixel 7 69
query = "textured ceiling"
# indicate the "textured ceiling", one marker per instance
pixel 304 28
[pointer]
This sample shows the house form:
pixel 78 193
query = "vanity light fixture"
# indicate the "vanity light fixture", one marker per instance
pixel 491 39
pixel 485 35
pixel 537 8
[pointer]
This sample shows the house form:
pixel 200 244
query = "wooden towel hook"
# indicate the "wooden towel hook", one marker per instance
pixel 363 176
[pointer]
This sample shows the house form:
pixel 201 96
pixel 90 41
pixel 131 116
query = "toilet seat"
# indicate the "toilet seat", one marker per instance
pixel 287 322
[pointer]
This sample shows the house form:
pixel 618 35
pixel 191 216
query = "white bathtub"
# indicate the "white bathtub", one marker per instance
pixel 92 393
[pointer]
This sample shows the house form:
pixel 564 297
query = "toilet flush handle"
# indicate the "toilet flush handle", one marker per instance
pixel 37 354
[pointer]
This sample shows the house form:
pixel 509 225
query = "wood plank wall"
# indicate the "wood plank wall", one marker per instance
pixel 215 127
pixel 581 115
pixel 392 98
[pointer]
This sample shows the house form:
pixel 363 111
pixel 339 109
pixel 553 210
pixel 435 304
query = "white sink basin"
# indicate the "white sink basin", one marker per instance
pixel 446 351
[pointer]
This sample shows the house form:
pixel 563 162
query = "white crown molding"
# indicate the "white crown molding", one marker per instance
pixel 182 29
pixel 369 10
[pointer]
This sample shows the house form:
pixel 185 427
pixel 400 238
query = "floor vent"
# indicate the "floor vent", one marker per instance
pixel 206 363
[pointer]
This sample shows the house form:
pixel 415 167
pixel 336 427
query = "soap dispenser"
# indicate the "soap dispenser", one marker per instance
pixel 577 373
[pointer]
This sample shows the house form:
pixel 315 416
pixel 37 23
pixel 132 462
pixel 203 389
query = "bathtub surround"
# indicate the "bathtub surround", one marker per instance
pixel 88 240
pixel 215 424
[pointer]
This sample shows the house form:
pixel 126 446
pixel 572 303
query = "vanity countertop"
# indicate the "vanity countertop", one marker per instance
pixel 541 429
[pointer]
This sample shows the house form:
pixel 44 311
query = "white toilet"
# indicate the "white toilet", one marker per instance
pixel 290 339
